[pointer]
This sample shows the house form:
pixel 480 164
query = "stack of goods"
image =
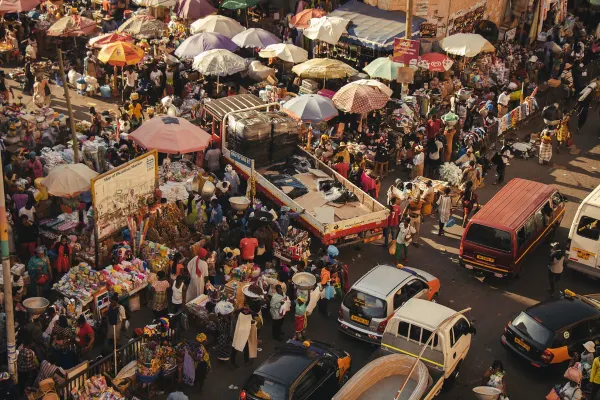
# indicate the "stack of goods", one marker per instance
pixel 197 306
pixel 80 283
pixel 500 72
pixel 156 256
pixel 308 87
pixel 249 135
pixel 149 360
pixel 294 247
pixel 126 278
pixel 83 126
pixel 233 291
pixel 451 173
pixel 96 388
pixel 94 154
pixel 51 157
pixel 177 171
pixel 285 137
pixel 169 362
pixel 472 138
pixel 167 226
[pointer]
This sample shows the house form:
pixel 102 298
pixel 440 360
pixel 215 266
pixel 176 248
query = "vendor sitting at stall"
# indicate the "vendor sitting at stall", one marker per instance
pixel 84 335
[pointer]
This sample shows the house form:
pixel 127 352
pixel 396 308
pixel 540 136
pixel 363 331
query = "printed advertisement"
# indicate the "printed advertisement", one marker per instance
pixel 422 7
pixel 123 191
pixel 466 22
pixel 406 51
pixel 428 30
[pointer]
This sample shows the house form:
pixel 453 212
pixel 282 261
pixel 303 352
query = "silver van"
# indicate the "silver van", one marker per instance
pixel 375 297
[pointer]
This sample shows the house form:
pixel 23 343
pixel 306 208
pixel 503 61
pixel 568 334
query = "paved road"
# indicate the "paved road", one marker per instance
pixel 494 302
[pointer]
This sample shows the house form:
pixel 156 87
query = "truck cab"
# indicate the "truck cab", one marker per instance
pixel 440 333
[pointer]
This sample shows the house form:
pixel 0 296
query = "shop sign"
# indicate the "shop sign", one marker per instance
pixel 428 30
pixel 422 7
pixel 406 51
pixel 237 157
pixel 122 191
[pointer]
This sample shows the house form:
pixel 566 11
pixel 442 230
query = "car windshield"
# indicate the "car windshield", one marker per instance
pixel 363 304
pixel 532 329
pixel 489 237
pixel 263 388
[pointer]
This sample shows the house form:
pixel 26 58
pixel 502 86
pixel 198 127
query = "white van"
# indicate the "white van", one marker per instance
pixel 583 246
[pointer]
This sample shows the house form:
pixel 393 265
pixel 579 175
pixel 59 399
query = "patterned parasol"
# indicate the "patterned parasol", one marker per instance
pixel 72 25
pixel 143 27
pixel 360 98
pixel 108 38
pixel 322 68
pixel 120 54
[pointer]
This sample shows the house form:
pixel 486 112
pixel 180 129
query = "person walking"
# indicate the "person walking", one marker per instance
pixel 414 212
pixel 555 266
pixel 393 220
pixel 179 288
pixel 404 238
pixel 444 204
pixel 595 378
pixel 277 301
pixel 325 282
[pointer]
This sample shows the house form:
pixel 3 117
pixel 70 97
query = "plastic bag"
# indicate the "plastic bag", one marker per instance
pixel 451 222
pixel 329 292
pixel 285 307
pixel 392 247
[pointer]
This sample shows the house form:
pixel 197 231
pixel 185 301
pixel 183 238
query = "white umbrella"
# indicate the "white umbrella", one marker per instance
pixel 311 107
pixel 466 44
pixel 69 180
pixel 219 24
pixel 286 52
pixel 255 37
pixel 376 84
pixel 383 68
pixel 327 29
pixel 259 72
pixel 219 62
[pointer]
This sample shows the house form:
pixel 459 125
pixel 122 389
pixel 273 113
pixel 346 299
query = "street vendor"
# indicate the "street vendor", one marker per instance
pixel 115 320
pixel 415 206
pixel 40 273
pixel 418 162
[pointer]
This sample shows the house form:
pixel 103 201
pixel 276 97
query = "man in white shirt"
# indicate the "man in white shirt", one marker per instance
pixel 131 77
pixel 503 100
pixel 53 318
pixel 434 156
pixel 418 161
pixel 156 77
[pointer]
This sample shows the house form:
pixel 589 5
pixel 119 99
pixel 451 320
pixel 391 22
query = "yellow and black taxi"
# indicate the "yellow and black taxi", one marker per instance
pixel 299 370
pixel 549 332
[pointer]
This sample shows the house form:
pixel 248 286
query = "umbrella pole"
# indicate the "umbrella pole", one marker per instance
pixel 69 107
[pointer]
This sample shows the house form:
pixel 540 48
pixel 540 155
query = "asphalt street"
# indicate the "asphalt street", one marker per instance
pixel 494 301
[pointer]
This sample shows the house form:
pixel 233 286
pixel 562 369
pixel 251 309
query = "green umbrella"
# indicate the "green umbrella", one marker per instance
pixel 239 4
pixel 383 68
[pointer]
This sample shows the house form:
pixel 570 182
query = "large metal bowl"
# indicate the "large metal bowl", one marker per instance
pixel 304 280
pixel 36 305
pixel 239 203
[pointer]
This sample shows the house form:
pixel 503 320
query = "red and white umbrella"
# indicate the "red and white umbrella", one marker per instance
pixel 435 62
pixel 171 135
pixel 102 40
pixel 361 97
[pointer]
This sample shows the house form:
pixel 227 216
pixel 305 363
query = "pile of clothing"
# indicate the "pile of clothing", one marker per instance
pixel 335 191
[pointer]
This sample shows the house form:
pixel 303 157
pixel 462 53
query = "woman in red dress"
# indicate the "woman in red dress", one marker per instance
pixel 64 252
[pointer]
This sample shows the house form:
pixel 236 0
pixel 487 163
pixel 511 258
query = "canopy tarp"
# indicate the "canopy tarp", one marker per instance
pixel 374 28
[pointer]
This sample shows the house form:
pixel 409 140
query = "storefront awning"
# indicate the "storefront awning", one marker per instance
pixel 374 28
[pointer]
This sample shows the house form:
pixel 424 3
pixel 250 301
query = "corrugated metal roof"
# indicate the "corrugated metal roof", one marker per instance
pixel 516 201
pixel 220 107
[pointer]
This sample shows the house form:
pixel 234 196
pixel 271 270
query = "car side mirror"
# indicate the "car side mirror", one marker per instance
pixel 472 330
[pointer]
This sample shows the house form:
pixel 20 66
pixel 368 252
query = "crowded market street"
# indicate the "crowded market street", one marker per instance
pixel 299 200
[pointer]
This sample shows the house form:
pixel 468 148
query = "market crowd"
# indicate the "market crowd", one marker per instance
pixel 224 270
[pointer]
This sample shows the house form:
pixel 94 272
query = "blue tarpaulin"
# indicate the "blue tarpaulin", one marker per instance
pixel 374 28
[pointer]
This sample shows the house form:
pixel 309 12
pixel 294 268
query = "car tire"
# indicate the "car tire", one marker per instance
pixel 436 298
pixel 451 381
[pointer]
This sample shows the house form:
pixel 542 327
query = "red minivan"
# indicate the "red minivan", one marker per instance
pixel 510 226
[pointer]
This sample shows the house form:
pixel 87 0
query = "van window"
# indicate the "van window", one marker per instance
pixel 486 236
pixel 521 237
pixel 363 304
pixel 400 298
pixel 557 199
pixel 530 228
pixel 539 219
pixel 588 228
pixel 416 333
pixel 459 329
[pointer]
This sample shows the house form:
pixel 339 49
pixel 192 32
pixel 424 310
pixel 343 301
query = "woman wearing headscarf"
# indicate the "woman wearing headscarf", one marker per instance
pixel 39 272
pixel 64 254
pixel 160 302
pixel 34 166
pixel 198 271
pixel 224 310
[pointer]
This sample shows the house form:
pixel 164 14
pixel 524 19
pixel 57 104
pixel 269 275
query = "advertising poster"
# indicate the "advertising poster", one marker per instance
pixel 428 30
pixel 422 7
pixel 406 51
pixel 121 192
pixel 466 23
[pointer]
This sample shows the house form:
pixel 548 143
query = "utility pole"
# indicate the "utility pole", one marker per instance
pixel 8 298
pixel 408 36
pixel 69 108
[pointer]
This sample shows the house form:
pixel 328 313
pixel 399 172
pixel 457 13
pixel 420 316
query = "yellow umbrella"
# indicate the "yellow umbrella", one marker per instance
pixel 322 68
pixel 121 54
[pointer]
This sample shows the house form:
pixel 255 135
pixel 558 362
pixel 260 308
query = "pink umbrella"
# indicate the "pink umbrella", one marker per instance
pixel 171 135
pixel 108 38
pixel 72 25
pixel 435 62
pixel 11 6
pixel 194 9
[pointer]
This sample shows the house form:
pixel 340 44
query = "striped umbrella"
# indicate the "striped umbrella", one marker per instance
pixel 360 97
pixel 120 54
pixel 108 38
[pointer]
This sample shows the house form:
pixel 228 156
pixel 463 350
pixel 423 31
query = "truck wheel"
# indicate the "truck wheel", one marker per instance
pixel 451 381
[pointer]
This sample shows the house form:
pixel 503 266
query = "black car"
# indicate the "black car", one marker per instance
pixel 303 371
pixel 549 332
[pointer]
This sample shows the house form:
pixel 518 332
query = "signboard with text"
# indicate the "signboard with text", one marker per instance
pixel 406 51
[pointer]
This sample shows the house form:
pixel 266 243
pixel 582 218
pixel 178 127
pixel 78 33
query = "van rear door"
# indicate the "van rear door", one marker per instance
pixel 585 238
pixel 486 247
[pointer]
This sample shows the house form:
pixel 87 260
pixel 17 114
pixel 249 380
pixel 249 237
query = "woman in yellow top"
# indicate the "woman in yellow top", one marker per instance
pixel 563 134
pixel 595 377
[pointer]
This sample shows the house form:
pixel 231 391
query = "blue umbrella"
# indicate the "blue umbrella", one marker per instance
pixel 202 42
pixel 311 108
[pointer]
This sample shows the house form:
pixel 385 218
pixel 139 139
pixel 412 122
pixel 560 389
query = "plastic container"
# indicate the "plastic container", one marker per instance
pixel 105 91
pixel 486 393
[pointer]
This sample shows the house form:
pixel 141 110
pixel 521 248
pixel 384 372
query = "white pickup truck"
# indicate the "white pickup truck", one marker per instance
pixel 434 334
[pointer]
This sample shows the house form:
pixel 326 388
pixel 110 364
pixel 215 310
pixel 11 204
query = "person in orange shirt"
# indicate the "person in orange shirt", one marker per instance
pixel 325 281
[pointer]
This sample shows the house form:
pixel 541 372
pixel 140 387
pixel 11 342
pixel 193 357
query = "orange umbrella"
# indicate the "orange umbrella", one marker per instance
pixel 302 19
pixel 121 54
pixel 108 38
